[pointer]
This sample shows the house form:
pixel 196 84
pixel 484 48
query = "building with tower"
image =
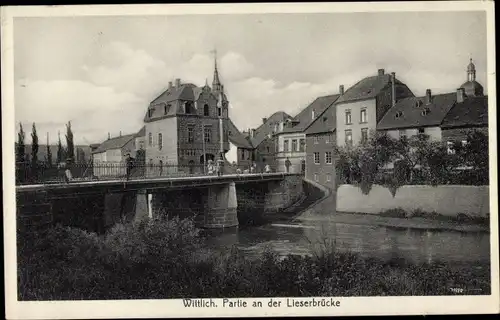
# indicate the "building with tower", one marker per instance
pixel 188 125
pixel 444 117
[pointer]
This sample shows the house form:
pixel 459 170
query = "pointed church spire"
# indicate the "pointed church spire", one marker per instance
pixel 216 85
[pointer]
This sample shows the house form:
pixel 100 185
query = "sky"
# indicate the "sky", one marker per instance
pixel 101 72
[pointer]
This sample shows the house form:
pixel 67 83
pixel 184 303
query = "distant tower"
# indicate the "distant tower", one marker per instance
pixel 472 88
pixel 471 71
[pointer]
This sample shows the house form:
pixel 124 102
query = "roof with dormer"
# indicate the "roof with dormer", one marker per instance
pixel 472 112
pixel 414 112
pixel 268 127
pixel 367 88
pixel 304 118
pixel 237 138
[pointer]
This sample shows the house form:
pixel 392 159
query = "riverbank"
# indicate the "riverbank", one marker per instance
pixel 161 259
pixel 394 222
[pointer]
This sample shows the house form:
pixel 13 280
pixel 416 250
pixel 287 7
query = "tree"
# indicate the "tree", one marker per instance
pixel 34 152
pixel 20 147
pixel 49 153
pixel 70 147
pixel 60 150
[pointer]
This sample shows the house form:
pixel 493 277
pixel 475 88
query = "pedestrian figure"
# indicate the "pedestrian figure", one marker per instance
pixel 210 167
pixel 129 163
pixel 267 168
pixel 287 165
pixel 161 168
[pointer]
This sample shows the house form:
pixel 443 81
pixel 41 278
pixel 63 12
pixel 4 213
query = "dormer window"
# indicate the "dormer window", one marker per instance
pixel 150 112
pixel 426 111
pixel 312 114
pixel 206 110
pixel 398 114
pixel 418 103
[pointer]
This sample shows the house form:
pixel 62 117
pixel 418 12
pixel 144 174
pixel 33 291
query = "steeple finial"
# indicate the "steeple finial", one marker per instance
pixel 216 85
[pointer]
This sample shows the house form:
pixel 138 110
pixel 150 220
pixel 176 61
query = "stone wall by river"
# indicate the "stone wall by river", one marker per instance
pixel 449 200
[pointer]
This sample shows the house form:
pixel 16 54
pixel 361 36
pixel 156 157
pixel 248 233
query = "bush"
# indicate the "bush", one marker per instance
pixel 165 259
pixel 394 213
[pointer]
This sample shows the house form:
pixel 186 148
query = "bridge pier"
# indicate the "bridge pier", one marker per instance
pixel 221 207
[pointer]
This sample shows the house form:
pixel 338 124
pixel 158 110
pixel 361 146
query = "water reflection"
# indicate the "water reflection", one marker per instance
pixel 387 243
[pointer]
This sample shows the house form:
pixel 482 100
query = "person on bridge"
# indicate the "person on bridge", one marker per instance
pixel 287 165
pixel 129 162
pixel 267 168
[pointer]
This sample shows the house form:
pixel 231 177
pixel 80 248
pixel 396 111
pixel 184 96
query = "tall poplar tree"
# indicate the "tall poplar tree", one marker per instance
pixel 60 151
pixel 20 147
pixel 70 146
pixel 49 153
pixel 34 152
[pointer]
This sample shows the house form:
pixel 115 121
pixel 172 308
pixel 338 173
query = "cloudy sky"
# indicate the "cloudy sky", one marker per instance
pixel 100 73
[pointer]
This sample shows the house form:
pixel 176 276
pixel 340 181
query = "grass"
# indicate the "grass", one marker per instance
pixel 161 259
pixel 419 213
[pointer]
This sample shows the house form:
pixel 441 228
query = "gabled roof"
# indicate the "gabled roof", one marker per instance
pixel 304 118
pixel 268 127
pixel 408 112
pixel 472 112
pixel 367 88
pixel 114 143
pixel 141 133
pixel 237 138
pixel 325 122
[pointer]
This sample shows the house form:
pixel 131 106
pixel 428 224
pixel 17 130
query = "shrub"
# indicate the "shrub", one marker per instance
pixel 394 213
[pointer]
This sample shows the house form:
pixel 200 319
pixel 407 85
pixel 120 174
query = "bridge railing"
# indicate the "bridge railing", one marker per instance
pixel 105 171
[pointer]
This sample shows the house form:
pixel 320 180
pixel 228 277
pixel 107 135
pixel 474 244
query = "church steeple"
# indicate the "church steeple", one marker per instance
pixel 216 85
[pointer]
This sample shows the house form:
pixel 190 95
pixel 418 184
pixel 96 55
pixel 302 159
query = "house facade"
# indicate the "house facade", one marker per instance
pixel 320 144
pixel 364 104
pixel 109 157
pixel 292 140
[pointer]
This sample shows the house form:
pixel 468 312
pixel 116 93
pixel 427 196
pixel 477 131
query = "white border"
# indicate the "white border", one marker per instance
pixel 174 308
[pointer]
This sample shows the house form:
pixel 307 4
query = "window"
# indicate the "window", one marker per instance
pixel 150 162
pixel 190 134
pixel 363 116
pixel 316 140
pixel 302 146
pixel 327 139
pixel 242 154
pixel 328 157
pixel 294 145
pixel 421 130
pixel 328 178
pixel 313 114
pixel 364 135
pixel 267 149
pixel 160 141
pixel 348 118
pixel 208 134
pixel 348 137
pixel 206 110
pixel 150 112
pixel 315 177
pixel 150 139
pixel 398 114
pixel 285 145
pixel 402 134
pixel 316 158
pixel 219 111
pixel 165 109
pixel 189 109
pixel 426 111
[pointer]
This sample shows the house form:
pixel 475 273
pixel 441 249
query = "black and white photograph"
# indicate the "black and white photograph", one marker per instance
pixel 249 160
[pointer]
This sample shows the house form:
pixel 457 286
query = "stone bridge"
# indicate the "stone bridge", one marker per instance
pixel 214 201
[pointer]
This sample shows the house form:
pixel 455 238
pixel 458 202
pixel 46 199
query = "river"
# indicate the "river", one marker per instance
pixel 305 235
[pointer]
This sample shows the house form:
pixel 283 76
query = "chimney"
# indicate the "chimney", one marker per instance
pixel 460 95
pixel 109 136
pixel 120 133
pixel 341 89
pixel 428 96
pixel 170 85
pixel 177 83
pixel 393 87
pixel 264 120
pixel 381 72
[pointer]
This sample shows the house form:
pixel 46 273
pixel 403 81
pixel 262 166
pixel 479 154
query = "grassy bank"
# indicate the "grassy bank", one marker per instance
pixel 166 259
pixel 459 218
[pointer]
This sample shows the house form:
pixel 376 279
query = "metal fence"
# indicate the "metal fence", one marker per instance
pixel 43 174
